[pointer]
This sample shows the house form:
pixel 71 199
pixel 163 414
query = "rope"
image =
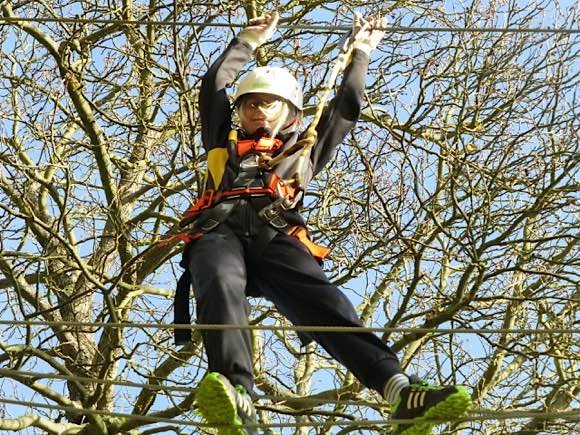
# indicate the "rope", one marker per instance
pixel 292 328
pixel 166 388
pixel 313 27
pixel 481 415
pixel 309 140
pixel 190 390
pixel 29 374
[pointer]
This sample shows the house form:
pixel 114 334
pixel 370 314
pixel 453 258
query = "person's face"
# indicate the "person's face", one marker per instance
pixel 261 111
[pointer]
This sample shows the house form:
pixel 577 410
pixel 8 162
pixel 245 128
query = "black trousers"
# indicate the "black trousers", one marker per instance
pixel 295 283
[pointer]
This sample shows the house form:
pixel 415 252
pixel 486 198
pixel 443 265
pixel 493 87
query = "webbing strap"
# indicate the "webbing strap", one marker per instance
pixel 182 316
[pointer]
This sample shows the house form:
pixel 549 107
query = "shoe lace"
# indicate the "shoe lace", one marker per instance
pixel 423 386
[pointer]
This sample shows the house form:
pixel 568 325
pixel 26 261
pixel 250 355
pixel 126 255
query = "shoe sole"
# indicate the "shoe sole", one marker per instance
pixel 452 407
pixel 217 406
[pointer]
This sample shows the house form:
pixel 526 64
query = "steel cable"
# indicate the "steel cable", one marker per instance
pixel 480 415
pixel 293 328
pixel 313 27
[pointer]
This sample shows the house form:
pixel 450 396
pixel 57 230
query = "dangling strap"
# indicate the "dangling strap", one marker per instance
pixel 181 309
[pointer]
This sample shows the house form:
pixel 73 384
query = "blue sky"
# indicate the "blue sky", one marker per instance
pixel 356 288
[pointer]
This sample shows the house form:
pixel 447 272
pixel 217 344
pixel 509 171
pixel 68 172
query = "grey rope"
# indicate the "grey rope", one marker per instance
pixel 294 328
pixel 480 415
pixel 313 27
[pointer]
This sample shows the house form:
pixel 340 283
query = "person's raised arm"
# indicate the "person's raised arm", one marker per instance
pixel 214 106
pixel 343 111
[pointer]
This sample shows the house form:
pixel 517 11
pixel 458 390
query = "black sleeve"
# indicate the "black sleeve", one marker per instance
pixel 342 112
pixel 214 106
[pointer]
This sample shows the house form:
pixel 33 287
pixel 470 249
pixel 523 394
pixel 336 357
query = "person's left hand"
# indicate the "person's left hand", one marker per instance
pixel 368 33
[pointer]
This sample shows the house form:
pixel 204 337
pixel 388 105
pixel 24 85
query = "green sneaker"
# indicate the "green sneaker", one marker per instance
pixel 220 403
pixel 428 406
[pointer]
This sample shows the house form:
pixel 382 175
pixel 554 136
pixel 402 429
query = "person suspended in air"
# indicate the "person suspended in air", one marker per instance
pixel 247 237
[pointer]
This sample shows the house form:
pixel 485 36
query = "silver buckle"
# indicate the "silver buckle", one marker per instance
pixel 251 161
pixel 271 214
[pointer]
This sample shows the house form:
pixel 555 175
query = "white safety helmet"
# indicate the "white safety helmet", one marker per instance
pixel 271 80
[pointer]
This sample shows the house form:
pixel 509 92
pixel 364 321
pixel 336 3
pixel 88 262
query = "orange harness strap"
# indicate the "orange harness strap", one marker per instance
pixel 262 145
pixel 205 201
pixel 275 187
pixel 317 251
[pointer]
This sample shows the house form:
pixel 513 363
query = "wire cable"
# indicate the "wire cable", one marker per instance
pixel 290 328
pixel 312 27
pixel 480 415
pixel 119 382
pixel 166 388
pixel 188 390
pixel 280 400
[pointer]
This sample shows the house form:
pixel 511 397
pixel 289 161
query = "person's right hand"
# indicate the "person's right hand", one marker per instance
pixel 259 29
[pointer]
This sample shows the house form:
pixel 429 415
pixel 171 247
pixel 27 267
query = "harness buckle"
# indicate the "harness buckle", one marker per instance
pixel 272 212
